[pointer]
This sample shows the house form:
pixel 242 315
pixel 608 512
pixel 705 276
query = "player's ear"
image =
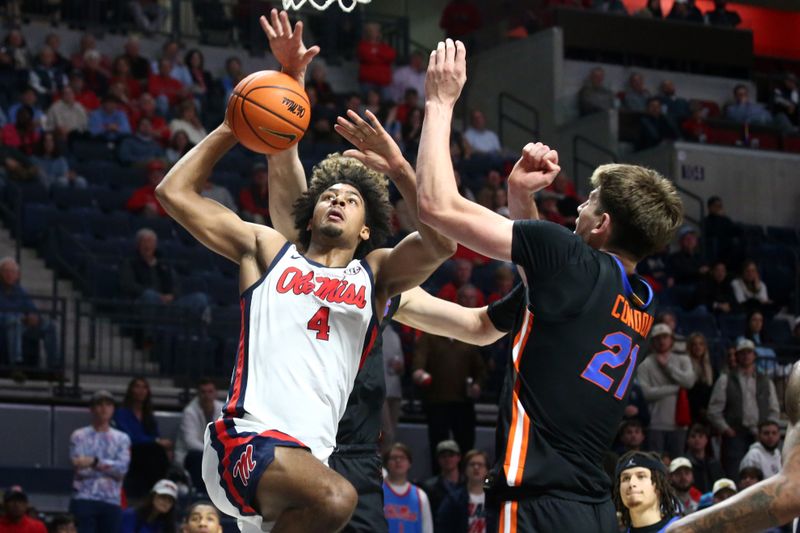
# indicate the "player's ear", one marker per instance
pixel 364 233
pixel 603 226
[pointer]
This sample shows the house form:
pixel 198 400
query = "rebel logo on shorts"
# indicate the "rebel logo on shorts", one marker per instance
pixel 245 465
pixel 293 107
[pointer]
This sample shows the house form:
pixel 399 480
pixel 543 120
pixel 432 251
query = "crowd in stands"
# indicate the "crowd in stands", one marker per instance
pixel 704 399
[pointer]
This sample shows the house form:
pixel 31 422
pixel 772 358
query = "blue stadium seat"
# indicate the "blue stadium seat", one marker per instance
pixel 98 171
pixel 110 200
pixel 689 323
pixel 221 290
pixel 35 222
pixel 778 331
pixel 128 178
pixel 109 225
pixel 163 227
pixel 782 235
pixel 33 191
pixel 732 326
pixel 72 220
pixel 69 197
pixel 753 235
pixel 92 150
pixel 103 280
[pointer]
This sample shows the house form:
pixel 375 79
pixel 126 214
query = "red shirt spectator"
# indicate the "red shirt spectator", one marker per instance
pixel 459 18
pixel 254 199
pixel 375 58
pixel 22 134
pixel 164 84
pixel 143 200
pixel 147 108
pixel 462 252
pixel 16 519
pixel 461 277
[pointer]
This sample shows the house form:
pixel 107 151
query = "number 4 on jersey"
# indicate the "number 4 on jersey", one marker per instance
pixel 319 323
pixel 619 351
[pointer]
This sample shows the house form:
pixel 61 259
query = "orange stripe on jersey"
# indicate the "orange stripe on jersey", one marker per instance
pixel 522 339
pixel 514 508
pixel 517 443
pixel 236 388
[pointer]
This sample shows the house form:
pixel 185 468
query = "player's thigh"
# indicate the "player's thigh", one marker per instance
pixel 297 479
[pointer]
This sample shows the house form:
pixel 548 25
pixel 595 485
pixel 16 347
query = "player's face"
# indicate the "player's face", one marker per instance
pixel 637 489
pixel 398 464
pixel 589 224
pixel 340 213
pixel 203 519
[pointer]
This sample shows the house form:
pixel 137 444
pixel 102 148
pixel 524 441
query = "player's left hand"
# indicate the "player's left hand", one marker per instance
pixel 447 73
pixel 374 146
pixel 536 169
pixel 287 44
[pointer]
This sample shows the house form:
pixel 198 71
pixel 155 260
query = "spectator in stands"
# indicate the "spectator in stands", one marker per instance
pixel 23 322
pixel 156 514
pixel 17 166
pixel 739 401
pixel 786 103
pixel 636 95
pixel 448 479
pixel 87 43
pixel 705 467
pixel 101 456
pixel 637 408
pixel 201 411
pixel 700 393
pixel 493 182
pixel 218 193
pixel 202 517
pixel 661 375
pixel 652 9
pixel 723 489
pixel 109 122
pixel 721 16
pixel 148 14
pixel 744 111
pixel 63 523
pixel 594 96
pixel 462 274
pixel 715 292
pixel 147 108
pixel 171 51
pixel 695 127
pixel 796 332
pixel 722 234
pixel 14 53
pixel 481 139
pixel 16 519
pixel 630 436
pixel 179 145
pixel 406 506
pixel 27 97
pixel 459 19
pixel 675 107
pixel 201 81
pixel 411 76
pixel 319 81
pixel 765 454
pixel 87 98
pixel 681 477
pixel 140 66
pixel 503 283
pixel 547 202
pixel 186 119
pixel 409 103
pixel 164 87
pixel 46 77
pixel 233 75
pixel 120 90
pixel 686 264
pixel 121 73
pixel 685 11
pixel 642 494
pixel 411 133
pixel 569 199
pixel 749 476
pixel 23 133
pixel 656 127
pixel 669 318
pixel 54 42
pixel 67 115
pixel 749 290
pixel 140 147
pixel 254 199
pixel 451 374
pixel 393 370
pixel 464 510
pixel 375 59
pixel 149 452
pixel 654 268
pixel 53 167
pixel 143 200
pixel 754 328
pixel 609 6
pixel 94 74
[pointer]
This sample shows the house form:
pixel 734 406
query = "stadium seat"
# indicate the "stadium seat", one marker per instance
pixel 35 222
pixel 732 326
pixel 222 291
pixel 103 280
pixel 753 235
pixel 778 331
pixel 109 225
pixel 32 191
pixel 689 323
pixel 92 150
pixel 97 171
pixel 163 227
pixel 783 235
pixel 69 197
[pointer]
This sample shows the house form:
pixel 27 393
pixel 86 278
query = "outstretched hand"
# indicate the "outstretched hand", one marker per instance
pixel 447 73
pixel 536 168
pixel 287 44
pixel 374 146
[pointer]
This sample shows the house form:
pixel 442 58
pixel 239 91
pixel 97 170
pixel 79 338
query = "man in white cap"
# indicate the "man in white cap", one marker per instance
pixel 661 377
pixel 723 489
pixel 681 477
pixel 739 401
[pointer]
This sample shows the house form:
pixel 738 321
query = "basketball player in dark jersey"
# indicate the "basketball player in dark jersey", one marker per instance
pixel 768 504
pixel 576 344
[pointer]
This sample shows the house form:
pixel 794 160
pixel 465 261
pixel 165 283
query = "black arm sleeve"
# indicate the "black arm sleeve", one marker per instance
pixel 504 312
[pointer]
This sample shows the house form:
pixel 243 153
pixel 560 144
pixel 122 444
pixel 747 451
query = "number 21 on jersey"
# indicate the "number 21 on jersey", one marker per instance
pixel 620 350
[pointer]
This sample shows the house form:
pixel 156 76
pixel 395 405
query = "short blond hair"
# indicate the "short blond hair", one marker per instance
pixel 644 207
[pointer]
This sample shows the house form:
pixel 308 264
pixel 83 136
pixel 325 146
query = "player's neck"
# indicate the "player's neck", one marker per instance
pixel 627 263
pixel 645 517
pixel 328 255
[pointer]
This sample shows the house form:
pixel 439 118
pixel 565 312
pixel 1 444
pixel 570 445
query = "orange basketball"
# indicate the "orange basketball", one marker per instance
pixel 268 112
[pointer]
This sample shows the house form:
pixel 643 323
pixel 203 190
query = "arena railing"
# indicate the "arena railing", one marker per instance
pixel 509 110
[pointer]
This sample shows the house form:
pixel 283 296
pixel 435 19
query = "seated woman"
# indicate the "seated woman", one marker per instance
pixel 149 452
pixel 749 290
pixel 156 514
pixel 700 394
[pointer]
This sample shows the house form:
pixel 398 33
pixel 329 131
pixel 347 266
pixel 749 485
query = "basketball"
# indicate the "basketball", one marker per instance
pixel 268 111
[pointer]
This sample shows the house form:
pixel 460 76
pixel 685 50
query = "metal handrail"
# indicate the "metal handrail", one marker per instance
pixel 577 160
pixel 502 116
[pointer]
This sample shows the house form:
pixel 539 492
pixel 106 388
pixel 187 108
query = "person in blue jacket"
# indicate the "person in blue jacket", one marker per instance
pixel 643 495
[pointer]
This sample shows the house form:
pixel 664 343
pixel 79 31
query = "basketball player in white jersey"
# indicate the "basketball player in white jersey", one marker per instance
pixel 308 319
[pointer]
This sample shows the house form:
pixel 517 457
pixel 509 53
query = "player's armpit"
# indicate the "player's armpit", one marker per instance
pixel 405 266
pixel 430 314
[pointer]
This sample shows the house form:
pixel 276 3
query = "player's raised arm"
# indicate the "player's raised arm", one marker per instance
pixel 440 204
pixel 214 225
pixel 768 504
pixel 287 179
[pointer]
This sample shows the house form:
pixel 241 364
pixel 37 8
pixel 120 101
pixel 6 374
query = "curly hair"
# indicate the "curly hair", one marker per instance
pixel 668 500
pixel 371 185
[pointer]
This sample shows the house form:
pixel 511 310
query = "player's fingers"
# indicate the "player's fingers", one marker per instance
pixel 461 52
pixel 364 129
pixel 374 122
pixel 310 54
pixel 355 154
pixel 432 60
pixel 440 54
pixel 347 133
pixel 450 51
pixel 276 23
pixel 286 26
pixel 267 27
pixel 297 33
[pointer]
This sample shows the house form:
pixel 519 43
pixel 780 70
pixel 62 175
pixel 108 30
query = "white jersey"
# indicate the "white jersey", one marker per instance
pixel 306 329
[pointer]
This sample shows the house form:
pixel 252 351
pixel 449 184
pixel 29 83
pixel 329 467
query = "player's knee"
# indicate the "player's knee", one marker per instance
pixel 338 503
